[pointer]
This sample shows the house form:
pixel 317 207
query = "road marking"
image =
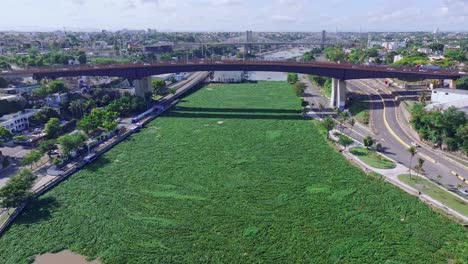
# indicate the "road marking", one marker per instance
pixel 389 128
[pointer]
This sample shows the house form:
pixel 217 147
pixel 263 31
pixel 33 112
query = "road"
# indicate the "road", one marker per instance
pixel 388 131
pixel 396 140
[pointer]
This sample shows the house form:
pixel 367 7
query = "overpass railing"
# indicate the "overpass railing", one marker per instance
pixel 339 65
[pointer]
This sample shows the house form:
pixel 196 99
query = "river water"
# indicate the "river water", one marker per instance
pixel 277 55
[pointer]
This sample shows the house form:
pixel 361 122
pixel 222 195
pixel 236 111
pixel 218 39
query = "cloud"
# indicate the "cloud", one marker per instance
pixel 79 2
pixel 225 2
pixel 283 18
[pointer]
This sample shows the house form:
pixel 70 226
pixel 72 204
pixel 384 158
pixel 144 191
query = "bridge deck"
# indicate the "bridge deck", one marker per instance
pixel 341 71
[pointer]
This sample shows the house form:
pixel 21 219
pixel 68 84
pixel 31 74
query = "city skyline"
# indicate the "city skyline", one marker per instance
pixel 236 15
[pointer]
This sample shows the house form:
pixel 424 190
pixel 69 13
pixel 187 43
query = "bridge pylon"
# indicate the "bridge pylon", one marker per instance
pixel 338 94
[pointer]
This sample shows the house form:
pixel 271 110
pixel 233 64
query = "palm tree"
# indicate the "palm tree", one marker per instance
pixel 368 142
pixel 352 122
pixel 412 151
pixel 423 97
pixel 420 165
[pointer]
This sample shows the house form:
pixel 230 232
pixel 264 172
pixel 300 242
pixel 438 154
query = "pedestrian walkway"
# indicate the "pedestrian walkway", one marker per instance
pixel 391 176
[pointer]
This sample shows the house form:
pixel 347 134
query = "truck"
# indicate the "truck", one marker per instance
pixel 428 67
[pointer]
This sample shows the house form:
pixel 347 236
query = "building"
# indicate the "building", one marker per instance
pixel 19 121
pixel 27 89
pixel 229 76
pixel 397 58
pixel 445 98
pixel 54 100
pixel 425 50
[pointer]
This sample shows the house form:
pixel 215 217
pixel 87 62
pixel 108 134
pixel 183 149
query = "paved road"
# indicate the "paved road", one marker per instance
pixel 396 140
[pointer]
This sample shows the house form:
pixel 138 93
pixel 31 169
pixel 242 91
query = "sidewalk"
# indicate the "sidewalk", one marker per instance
pixel 391 176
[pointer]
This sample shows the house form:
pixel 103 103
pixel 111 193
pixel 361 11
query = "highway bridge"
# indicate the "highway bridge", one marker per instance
pixel 340 72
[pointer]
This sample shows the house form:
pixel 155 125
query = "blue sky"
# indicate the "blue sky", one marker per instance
pixel 236 15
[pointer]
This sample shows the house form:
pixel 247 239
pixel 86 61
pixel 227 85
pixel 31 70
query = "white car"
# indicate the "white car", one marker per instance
pixel 414 144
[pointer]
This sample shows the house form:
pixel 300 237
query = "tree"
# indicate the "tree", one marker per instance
pixel 158 85
pixel 292 78
pixel 57 87
pixel 82 58
pixel 368 142
pixel 299 88
pixel 462 83
pixel 352 122
pixel 98 118
pixel 345 141
pixel 342 117
pixel 412 151
pixel 77 108
pixel 329 125
pixel 3 83
pixel 16 191
pixel 5 133
pixel 47 146
pixel 335 54
pixel 53 128
pixel 71 142
pixel 423 97
pixel 419 167
pixel 43 116
pixel 31 158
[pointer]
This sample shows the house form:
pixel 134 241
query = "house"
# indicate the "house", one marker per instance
pixel 54 100
pixel 19 121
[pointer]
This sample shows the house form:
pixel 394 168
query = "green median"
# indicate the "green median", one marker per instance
pixel 372 158
pixel 429 188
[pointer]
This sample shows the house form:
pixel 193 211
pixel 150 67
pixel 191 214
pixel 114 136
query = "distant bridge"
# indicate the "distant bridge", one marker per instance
pixel 338 71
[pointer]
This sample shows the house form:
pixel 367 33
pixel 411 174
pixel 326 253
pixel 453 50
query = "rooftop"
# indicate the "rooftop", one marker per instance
pixel 452 91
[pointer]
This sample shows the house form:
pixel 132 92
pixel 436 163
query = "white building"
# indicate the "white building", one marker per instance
pixel 54 100
pixel 425 50
pixel 229 76
pixel 19 121
pixel 27 89
pixel 397 58
pixel 445 98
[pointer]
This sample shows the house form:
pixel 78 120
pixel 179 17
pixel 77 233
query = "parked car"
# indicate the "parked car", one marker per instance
pixel 90 158
pixel 414 144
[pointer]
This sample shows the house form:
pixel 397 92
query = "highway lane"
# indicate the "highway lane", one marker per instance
pixel 396 140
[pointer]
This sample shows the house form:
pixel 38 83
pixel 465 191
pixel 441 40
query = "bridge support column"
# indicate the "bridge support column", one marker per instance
pixel 453 84
pixel 338 94
pixel 142 86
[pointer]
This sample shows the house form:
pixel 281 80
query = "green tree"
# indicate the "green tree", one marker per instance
pixel 57 87
pixel 31 158
pixel 335 54
pixel 299 88
pixel 329 125
pixel 412 151
pixel 292 78
pixel 158 85
pixel 47 146
pixel 462 83
pixel 82 58
pixel 17 189
pixel 71 142
pixel 53 128
pixel 98 118
pixel 420 166
pixel 77 108
pixel 368 142
pixel 345 141
pixel 5 133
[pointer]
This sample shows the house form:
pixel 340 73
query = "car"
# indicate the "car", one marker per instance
pixel 89 158
pixel 463 192
pixel 414 144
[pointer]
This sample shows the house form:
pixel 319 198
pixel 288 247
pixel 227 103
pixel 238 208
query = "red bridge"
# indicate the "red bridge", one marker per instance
pixel 338 71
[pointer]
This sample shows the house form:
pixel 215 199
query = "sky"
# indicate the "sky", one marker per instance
pixel 235 15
